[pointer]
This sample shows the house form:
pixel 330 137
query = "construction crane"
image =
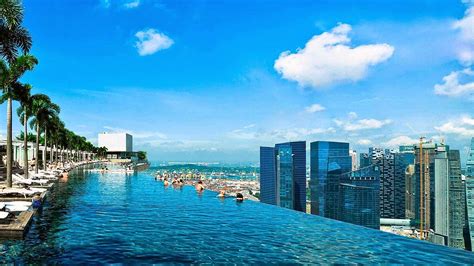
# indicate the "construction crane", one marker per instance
pixel 424 187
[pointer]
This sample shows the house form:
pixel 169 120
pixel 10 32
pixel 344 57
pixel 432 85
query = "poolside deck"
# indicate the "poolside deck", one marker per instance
pixel 18 226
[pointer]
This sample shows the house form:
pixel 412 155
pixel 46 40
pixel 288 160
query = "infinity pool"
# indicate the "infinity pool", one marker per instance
pixel 110 218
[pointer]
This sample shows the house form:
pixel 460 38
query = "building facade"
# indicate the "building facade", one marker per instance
pixel 283 175
pixel 119 145
pixel 469 185
pixel 329 160
pixel 359 197
pixel 268 184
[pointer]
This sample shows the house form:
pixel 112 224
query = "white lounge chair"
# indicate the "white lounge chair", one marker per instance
pixel 19 180
pixel 3 215
pixel 17 191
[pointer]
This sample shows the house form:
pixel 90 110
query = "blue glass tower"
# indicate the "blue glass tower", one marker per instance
pixel 283 175
pixel 328 161
pixel 268 184
pixel 359 197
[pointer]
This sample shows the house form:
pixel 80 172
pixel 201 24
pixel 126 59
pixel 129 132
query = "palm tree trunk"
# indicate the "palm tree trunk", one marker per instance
pixel 9 143
pixel 25 144
pixel 45 153
pixel 37 147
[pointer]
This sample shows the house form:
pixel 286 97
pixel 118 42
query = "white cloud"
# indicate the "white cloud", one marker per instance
pixel 352 115
pixel 327 58
pixel 400 140
pixel 132 4
pixel 463 126
pixel 452 85
pixel 151 41
pixel 364 142
pixel 138 134
pixel 314 108
pixel 278 134
pixel 360 124
pixel 465 26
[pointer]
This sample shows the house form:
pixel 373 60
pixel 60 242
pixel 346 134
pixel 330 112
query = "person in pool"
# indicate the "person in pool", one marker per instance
pixel 239 197
pixel 199 186
pixel 221 194
pixel 165 182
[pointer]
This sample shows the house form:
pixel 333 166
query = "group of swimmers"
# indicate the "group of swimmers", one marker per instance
pixel 199 187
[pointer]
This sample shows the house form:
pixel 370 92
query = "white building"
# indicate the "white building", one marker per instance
pixel 119 145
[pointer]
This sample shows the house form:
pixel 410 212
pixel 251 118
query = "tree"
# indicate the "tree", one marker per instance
pixel 14 38
pixel 9 76
pixel 43 110
pixel 141 155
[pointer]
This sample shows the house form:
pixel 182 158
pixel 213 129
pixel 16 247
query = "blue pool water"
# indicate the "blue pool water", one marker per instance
pixel 108 218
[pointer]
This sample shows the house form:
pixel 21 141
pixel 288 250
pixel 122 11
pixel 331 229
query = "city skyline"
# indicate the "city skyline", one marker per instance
pixel 405 79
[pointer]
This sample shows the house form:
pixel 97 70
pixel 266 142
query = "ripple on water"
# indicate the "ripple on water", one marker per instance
pixel 108 218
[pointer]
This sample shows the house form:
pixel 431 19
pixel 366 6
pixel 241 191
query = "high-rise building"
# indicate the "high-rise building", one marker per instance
pixel 457 201
pixel 283 175
pixel 353 155
pixel 393 166
pixel 443 202
pixel 470 160
pixel 268 183
pixel 328 161
pixel 364 160
pixel 469 184
pixel 359 197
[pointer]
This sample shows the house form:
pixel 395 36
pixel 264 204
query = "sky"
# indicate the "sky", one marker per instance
pixel 214 80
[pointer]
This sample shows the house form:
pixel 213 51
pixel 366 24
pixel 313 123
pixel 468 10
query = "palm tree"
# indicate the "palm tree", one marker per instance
pixel 9 76
pixel 43 110
pixel 14 38
pixel 24 111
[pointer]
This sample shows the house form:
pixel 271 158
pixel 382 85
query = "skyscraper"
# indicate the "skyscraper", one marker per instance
pixel 268 183
pixel 469 183
pixel 328 161
pixel 457 196
pixel 283 175
pixel 353 155
pixel 393 166
pixel 359 197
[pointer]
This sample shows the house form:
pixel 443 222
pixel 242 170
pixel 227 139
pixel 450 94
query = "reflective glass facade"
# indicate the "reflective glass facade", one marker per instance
pixel 283 175
pixel 359 197
pixel 268 184
pixel 328 161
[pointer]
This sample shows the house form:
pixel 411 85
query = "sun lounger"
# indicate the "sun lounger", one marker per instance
pixel 16 191
pixel 3 215
pixel 18 179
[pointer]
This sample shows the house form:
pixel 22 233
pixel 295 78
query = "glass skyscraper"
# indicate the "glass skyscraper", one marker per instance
pixel 359 197
pixel 283 175
pixel 469 183
pixel 329 160
pixel 268 184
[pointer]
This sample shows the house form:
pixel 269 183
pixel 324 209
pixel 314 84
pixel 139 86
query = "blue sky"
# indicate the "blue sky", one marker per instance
pixel 214 80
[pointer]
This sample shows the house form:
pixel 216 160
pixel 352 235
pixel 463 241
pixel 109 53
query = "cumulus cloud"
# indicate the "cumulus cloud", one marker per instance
pixel 463 126
pixel 137 134
pixel 400 140
pixel 132 4
pixel 328 58
pixel 364 142
pixel 278 134
pixel 314 108
pixel 151 41
pixel 361 124
pixel 452 85
pixel 465 26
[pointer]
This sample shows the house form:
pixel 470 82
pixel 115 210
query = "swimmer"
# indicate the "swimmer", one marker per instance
pixel 165 182
pixel 199 187
pixel 239 197
pixel 221 194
